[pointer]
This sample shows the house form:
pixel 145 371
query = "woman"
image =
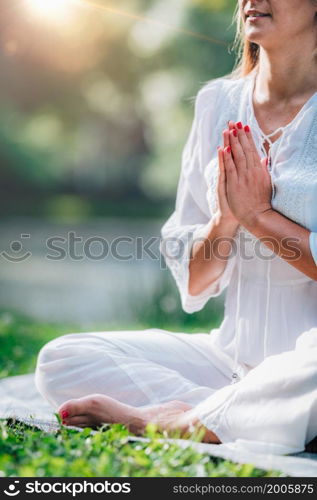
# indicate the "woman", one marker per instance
pixel 245 214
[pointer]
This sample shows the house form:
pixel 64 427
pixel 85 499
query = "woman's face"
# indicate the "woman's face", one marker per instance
pixel 287 20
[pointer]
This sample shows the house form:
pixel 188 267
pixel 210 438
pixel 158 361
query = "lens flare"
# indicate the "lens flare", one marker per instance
pixel 50 8
pixel 59 11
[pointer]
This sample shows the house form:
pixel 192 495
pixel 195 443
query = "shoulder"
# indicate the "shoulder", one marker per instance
pixel 212 93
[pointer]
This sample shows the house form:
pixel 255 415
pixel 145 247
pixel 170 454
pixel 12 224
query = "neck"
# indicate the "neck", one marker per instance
pixel 286 76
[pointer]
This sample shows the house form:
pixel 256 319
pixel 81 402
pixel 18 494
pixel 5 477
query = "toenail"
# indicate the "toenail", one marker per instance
pixel 65 414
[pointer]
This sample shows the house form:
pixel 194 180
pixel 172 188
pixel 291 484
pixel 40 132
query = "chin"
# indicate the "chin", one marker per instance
pixel 254 37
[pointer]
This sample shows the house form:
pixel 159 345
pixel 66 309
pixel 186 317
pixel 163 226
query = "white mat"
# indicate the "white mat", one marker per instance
pixel 20 399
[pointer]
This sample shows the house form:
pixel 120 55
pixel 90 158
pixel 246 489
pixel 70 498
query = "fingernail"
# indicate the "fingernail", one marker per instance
pixel 247 128
pixel 228 149
pixel 63 422
pixel 65 414
pixel 239 125
pixel 235 133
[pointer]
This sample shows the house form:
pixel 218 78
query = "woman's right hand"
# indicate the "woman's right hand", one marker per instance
pixel 225 212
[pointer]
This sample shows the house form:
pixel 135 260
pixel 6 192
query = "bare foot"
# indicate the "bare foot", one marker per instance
pixel 96 409
pixel 156 412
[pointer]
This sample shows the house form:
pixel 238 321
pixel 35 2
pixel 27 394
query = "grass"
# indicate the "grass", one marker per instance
pixel 28 452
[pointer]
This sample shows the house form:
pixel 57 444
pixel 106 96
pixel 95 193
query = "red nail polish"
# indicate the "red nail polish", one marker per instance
pixel 65 414
pixel 247 128
pixel 228 149
pixel 239 125
pixel 63 422
pixel 235 133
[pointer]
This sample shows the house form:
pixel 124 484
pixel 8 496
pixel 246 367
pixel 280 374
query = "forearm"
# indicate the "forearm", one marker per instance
pixel 288 240
pixel 209 257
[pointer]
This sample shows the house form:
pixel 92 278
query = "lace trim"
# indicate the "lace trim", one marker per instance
pixel 292 201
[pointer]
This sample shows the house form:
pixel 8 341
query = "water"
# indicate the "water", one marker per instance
pixel 83 285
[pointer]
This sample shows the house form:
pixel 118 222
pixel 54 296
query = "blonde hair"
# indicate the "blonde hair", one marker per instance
pixel 247 52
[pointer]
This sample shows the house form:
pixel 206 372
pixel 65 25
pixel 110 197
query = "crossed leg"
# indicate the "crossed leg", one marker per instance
pixel 131 377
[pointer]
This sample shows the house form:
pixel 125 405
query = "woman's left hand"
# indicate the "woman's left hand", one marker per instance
pixel 174 419
pixel 248 181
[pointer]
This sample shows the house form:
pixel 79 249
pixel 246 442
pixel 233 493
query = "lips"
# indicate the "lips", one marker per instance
pixel 256 14
pixel 259 15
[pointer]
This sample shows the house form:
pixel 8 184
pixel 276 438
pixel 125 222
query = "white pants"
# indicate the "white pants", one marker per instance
pixel 137 367
pixel 274 404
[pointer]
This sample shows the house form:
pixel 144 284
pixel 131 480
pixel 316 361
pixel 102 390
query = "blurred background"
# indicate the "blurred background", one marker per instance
pixel 96 101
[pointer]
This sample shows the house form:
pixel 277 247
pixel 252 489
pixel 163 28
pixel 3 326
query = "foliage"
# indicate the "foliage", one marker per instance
pixel 96 105
pixel 27 451
pixel 21 338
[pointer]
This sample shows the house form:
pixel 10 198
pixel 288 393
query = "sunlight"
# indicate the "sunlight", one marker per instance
pixel 59 10
pixel 50 8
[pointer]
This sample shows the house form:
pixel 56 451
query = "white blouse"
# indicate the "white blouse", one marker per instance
pixel 268 303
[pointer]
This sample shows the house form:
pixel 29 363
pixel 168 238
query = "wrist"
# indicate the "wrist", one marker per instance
pixel 252 220
pixel 229 223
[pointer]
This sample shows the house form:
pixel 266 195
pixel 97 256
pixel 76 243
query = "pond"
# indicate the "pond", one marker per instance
pixel 82 272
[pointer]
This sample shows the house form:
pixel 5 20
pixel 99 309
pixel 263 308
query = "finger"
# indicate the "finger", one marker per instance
pixel 222 172
pixel 264 166
pixel 230 168
pixel 220 157
pixel 231 125
pixel 225 135
pixel 253 147
pixel 264 163
pixel 238 153
pixel 246 147
pixel 220 160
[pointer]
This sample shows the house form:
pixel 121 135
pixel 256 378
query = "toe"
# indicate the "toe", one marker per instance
pixel 71 408
pixel 79 421
pixel 87 405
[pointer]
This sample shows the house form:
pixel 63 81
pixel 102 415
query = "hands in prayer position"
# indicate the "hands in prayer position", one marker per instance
pixel 244 183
